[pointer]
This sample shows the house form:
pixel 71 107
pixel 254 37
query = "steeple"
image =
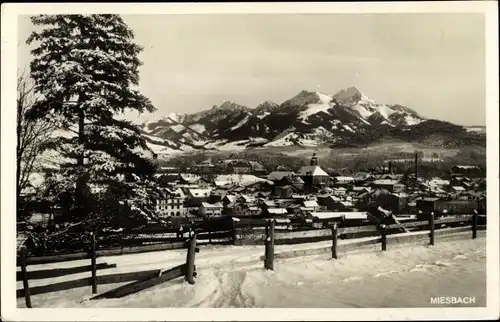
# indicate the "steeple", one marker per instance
pixel 314 160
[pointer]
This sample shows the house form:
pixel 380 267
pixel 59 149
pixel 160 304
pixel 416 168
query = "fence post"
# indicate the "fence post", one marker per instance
pixel 431 228
pixel 474 224
pixel 269 260
pixel 93 261
pixel 266 245
pixel 334 240
pixel 209 232
pixel 383 234
pixel 234 227
pixel 27 296
pixel 192 250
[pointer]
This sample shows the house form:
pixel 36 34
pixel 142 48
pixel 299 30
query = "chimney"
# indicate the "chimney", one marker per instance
pixel 390 167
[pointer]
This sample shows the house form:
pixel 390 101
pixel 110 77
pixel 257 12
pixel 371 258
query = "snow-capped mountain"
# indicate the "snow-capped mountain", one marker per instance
pixel 347 118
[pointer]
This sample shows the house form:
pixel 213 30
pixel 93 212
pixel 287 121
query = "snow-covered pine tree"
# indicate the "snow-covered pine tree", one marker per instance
pixel 85 67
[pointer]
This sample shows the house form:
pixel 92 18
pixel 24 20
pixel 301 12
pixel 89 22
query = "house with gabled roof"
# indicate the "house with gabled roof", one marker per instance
pixel 313 174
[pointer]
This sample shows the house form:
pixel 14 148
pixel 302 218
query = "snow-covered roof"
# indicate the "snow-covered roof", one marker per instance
pixel 189 177
pixel 467 167
pixel 200 192
pixel 458 188
pixel 282 220
pixel 241 179
pixel 179 192
pixel 210 205
pixel 247 198
pixel 277 211
pixel 326 215
pixel 344 179
pixel 439 182
pixel 312 170
pixel 385 182
pixel 310 203
pixel 269 203
pixel 355 215
pixel 231 198
pixel 428 198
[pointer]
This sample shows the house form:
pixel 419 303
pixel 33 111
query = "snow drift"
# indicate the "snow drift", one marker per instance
pixel 404 276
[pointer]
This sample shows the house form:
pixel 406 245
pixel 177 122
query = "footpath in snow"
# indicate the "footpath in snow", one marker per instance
pixel 406 275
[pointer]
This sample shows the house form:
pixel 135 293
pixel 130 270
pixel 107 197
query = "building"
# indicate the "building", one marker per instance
pixel 355 218
pixel 228 200
pixel 396 203
pixel 245 199
pixel 456 207
pixel 257 168
pixel 341 191
pixel 343 180
pixel 313 174
pixel 239 167
pixel 466 170
pixel 294 181
pixel 276 211
pixel 192 206
pixel 310 205
pixel 205 167
pixel 333 203
pixel 438 182
pixel 209 210
pixel 279 175
pixel 171 203
pixel 283 191
pixel 362 176
pixel 199 193
pixel 388 184
pixel 246 210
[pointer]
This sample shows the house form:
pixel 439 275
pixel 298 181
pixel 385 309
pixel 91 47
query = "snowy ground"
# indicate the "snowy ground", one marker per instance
pixel 406 275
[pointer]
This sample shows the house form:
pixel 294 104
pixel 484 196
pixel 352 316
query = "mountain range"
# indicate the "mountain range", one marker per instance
pixel 309 119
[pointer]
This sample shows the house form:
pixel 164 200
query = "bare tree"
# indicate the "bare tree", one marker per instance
pixel 33 137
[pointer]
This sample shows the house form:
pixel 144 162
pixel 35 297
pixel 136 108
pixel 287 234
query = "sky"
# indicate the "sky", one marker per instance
pixel 432 62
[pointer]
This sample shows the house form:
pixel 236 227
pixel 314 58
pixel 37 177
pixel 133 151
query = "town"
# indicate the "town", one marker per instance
pixel 177 160
pixel 241 188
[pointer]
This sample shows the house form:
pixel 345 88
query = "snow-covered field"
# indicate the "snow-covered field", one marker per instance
pixel 233 276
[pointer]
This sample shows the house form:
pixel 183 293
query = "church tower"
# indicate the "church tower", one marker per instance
pixel 314 160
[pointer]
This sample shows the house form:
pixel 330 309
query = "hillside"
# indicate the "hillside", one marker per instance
pixel 309 119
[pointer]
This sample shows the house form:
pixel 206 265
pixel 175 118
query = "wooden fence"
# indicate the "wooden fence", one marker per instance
pixel 226 230
pixel 141 280
pixel 268 232
pixel 381 235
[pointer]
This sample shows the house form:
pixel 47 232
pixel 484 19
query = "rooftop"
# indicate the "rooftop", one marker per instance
pixel 211 205
pixel 312 170
pixel 277 211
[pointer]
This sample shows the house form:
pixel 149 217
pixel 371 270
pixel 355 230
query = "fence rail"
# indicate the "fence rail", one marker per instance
pixel 141 280
pixel 273 238
pixel 270 235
